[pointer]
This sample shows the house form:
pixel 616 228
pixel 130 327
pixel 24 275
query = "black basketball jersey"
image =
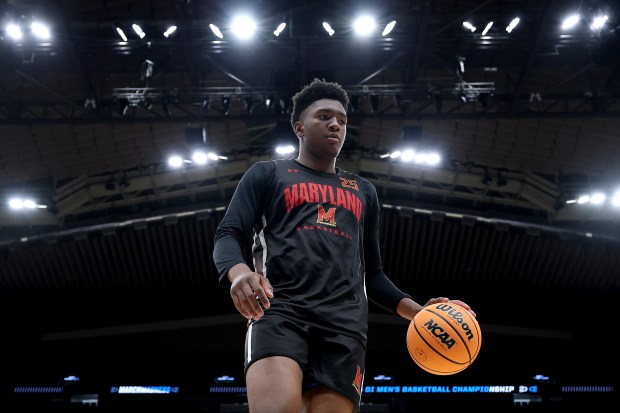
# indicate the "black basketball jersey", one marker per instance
pixel 314 236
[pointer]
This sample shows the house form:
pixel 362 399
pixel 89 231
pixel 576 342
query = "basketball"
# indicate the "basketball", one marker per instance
pixel 443 339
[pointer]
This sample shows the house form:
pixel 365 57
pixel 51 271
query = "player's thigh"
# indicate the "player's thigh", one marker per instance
pixel 274 385
pixel 325 400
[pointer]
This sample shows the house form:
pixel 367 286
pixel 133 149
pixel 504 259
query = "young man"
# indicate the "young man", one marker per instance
pixel 312 230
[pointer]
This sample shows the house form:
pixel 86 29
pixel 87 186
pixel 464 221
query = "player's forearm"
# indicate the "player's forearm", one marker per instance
pixel 237 270
pixel 407 308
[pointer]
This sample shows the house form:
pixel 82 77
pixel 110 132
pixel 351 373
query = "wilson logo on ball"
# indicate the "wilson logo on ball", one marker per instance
pixel 458 317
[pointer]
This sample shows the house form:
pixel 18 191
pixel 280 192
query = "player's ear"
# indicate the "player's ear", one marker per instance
pixel 299 129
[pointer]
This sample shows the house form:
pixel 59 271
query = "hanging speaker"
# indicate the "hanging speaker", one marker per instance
pixel 195 136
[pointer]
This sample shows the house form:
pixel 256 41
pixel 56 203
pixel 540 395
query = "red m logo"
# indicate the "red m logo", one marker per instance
pixel 326 218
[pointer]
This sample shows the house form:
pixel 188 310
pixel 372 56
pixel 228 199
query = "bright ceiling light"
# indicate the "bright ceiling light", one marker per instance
pixel 487 28
pixel 469 26
pixel 199 157
pixel 583 199
pixel 216 31
pixel 175 161
pixel 328 28
pixel 279 29
pixel 285 149
pixel 40 30
pixel 170 30
pixel 243 27
pixel 599 22
pixel 598 198
pixel 138 30
pixel 121 33
pixel 408 155
pixel 571 21
pixel 364 25
pixel 14 31
pixel 388 28
pixel 513 24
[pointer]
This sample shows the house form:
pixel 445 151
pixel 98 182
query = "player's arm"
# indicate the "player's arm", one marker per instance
pixel 233 241
pixel 379 287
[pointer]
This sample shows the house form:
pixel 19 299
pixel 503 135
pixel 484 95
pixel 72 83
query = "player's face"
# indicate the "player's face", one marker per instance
pixel 322 128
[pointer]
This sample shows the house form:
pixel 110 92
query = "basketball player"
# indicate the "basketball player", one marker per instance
pixel 312 230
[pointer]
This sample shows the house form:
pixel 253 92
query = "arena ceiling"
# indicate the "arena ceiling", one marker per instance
pixel 123 249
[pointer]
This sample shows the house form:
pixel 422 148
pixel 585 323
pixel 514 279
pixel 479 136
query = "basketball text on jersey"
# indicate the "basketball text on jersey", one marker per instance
pixel 298 194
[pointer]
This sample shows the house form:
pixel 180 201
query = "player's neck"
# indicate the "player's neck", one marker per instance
pixel 321 165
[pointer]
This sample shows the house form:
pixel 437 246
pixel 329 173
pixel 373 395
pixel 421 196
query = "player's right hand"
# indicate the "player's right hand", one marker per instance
pixel 250 293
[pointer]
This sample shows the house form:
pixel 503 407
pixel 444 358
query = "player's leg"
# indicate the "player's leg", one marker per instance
pixel 334 375
pixel 274 385
pixel 275 350
pixel 325 400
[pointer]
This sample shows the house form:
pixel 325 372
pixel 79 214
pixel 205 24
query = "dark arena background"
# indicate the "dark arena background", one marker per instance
pixel 495 149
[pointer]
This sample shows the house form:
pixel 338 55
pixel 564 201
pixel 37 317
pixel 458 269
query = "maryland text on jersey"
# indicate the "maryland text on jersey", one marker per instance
pixel 298 194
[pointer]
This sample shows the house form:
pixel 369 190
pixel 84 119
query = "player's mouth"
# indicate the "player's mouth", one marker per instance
pixel 333 138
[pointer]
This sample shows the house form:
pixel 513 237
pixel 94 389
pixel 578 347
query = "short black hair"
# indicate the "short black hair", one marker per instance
pixel 316 90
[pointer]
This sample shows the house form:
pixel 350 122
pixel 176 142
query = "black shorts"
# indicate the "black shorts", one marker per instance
pixel 326 358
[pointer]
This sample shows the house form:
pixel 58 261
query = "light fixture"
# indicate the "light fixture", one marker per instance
pixel 225 104
pixel 40 30
pixel 147 69
pixel 14 31
pixel 284 105
pixel 460 65
pixel 121 33
pixel 388 28
pixel 328 29
pixel 599 22
pixel 243 27
pixel 487 28
pixel 136 28
pixel 269 103
pixel 279 29
pixel 169 31
pixel 364 25
pixel 571 21
pixel 513 23
pixel 216 31
pixel 469 26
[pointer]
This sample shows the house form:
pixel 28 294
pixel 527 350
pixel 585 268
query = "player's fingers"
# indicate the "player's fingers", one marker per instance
pixel 240 307
pixel 464 305
pixel 245 300
pixel 266 286
pixel 437 300
pixel 264 292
